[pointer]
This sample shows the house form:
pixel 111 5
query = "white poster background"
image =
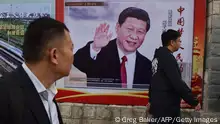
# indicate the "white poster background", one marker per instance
pixel 83 31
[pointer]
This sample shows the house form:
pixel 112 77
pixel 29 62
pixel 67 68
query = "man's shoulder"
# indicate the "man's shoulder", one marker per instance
pixel 7 77
pixel 6 82
pixel 111 42
pixel 110 46
pixel 10 78
pixel 142 58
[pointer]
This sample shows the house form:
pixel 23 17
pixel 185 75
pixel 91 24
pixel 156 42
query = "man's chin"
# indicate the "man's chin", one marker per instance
pixel 177 50
pixel 64 74
pixel 67 74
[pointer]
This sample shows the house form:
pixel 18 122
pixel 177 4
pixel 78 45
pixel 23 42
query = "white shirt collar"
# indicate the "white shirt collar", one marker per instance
pixel 130 57
pixel 38 85
pixel 129 65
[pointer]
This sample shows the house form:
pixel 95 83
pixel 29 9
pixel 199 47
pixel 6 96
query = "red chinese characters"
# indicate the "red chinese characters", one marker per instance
pixel 181 30
pixel 180 59
pixel 180 10
pixel 181 23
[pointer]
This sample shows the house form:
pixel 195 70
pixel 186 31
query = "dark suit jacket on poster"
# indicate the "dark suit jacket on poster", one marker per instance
pixel 106 67
pixel 20 101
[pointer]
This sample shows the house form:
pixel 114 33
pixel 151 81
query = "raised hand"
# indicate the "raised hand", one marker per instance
pixel 102 37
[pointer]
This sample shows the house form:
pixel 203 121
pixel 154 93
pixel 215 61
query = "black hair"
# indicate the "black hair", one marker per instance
pixel 135 13
pixel 169 35
pixel 38 35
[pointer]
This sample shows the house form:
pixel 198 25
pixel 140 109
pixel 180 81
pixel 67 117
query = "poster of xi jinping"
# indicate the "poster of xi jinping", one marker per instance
pixel 114 43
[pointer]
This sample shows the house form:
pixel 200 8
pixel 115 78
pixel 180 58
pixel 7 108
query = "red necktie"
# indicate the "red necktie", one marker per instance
pixel 123 72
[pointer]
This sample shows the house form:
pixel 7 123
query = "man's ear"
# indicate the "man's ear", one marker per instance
pixel 172 42
pixel 53 55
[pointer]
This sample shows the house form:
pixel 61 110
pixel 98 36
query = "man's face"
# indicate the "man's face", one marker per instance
pixel 131 34
pixel 176 44
pixel 65 55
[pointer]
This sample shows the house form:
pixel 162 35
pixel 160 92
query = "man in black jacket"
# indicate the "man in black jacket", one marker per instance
pixel 28 93
pixel 167 87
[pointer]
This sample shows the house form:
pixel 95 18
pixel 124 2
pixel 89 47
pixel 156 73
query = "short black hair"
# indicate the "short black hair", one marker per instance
pixel 169 35
pixel 135 13
pixel 38 35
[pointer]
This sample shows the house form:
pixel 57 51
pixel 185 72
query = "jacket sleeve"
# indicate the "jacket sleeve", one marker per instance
pixel 171 71
pixel 4 106
pixel 83 60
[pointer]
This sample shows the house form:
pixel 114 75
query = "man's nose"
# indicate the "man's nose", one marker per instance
pixel 134 36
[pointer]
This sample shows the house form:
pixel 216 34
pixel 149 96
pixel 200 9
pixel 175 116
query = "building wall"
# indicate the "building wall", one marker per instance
pixel 212 66
pixel 106 114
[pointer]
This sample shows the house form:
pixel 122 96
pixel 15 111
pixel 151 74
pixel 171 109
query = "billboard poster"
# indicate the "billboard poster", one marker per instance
pixel 102 35
pixel 103 31
pixel 14 19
